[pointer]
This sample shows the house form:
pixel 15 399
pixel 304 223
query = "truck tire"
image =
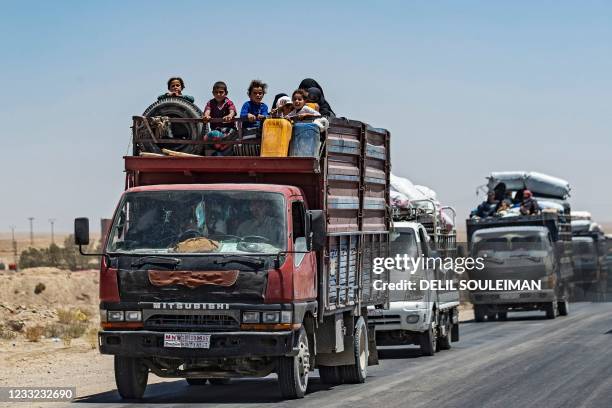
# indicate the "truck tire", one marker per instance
pixel 563 307
pixel 330 375
pixel 174 107
pixel 293 371
pixel 444 342
pixel 479 314
pixel 196 381
pixel 429 341
pixel 357 373
pixel 502 316
pixel 131 376
pixel 491 317
pixel 551 310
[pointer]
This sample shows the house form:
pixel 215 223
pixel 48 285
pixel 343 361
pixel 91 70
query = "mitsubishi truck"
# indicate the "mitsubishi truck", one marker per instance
pixel 423 316
pixel 242 266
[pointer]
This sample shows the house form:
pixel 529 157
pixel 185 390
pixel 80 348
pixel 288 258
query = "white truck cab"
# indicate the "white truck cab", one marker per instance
pixel 427 318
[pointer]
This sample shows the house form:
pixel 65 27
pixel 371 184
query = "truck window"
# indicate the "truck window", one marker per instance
pixel 299 230
pixel 223 221
pixel 507 244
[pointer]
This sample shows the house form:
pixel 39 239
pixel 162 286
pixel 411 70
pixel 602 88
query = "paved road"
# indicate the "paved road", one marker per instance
pixel 527 361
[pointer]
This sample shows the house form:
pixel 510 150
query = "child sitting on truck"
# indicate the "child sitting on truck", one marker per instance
pixel 220 107
pixel 254 110
pixel 175 88
pixel 283 107
pixel 300 110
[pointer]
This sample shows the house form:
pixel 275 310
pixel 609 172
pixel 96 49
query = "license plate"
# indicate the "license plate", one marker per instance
pixel 508 295
pixel 375 312
pixel 187 340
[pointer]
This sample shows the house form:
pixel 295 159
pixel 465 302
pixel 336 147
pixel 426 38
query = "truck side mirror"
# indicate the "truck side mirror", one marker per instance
pixel 316 225
pixel 81 231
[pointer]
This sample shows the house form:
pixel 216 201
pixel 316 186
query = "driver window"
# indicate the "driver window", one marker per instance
pixel 299 230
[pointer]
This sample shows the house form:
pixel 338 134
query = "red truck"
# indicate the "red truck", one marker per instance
pixel 223 267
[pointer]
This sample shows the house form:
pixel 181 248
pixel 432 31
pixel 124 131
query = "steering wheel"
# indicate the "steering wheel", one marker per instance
pixel 257 239
pixel 191 233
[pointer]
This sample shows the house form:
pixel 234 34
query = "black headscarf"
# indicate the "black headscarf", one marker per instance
pixel 324 107
pixel 276 98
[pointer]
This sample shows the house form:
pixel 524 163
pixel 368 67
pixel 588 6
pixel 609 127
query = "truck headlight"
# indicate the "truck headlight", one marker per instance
pixel 115 315
pixel 412 318
pixel 270 317
pixel 250 317
pixel 103 318
pixel 286 316
pixel 133 316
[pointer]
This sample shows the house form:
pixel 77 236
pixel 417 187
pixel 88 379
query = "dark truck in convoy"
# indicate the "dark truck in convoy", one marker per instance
pixel 527 248
pixel 221 267
pixel 590 260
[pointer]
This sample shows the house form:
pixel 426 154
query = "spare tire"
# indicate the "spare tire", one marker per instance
pixel 173 107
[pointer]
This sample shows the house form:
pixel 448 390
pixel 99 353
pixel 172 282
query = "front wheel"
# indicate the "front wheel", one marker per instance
pixel 429 341
pixel 131 376
pixel 551 310
pixel 293 371
pixel 502 316
pixel 479 313
pixel 563 307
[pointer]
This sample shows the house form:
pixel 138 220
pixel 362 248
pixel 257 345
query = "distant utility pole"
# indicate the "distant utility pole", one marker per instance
pixel 52 221
pixel 31 230
pixel 14 244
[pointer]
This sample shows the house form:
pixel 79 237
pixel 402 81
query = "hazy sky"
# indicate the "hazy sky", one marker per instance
pixel 464 87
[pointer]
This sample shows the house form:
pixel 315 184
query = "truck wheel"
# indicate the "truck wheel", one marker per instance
pixel 491 317
pixel 429 341
pixel 479 313
pixel 357 373
pixel 444 342
pixel 131 376
pixel 502 316
pixel 330 375
pixel 196 381
pixel 551 310
pixel 563 307
pixel 173 107
pixel 293 371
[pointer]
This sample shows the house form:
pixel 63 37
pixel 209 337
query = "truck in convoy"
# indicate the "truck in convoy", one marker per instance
pixel 423 316
pixel 590 260
pixel 529 255
pixel 243 266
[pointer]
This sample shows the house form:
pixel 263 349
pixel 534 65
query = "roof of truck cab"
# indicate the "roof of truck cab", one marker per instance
pixel 518 228
pixel 274 188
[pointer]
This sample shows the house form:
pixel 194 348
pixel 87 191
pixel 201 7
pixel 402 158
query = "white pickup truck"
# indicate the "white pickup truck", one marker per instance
pixel 427 318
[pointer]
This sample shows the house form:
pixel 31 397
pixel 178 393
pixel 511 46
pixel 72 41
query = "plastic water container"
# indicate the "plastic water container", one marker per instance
pixel 275 138
pixel 306 140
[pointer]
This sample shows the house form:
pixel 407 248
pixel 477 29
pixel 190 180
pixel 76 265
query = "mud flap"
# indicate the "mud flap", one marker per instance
pixel 372 351
pixel 455 332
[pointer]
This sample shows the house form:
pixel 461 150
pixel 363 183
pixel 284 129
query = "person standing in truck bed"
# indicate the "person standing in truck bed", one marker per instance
pixel 254 110
pixel 175 88
pixel 529 205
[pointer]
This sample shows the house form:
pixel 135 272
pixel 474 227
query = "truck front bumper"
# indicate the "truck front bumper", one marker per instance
pixel 523 296
pixel 222 344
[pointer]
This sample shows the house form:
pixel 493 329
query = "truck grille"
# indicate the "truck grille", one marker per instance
pixel 191 322
pixel 387 319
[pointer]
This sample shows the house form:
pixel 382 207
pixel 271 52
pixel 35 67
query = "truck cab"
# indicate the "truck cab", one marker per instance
pixel 421 316
pixel 516 254
pixel 590 260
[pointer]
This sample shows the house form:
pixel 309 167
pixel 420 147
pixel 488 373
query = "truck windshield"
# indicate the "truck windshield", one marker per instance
pixel 583 246
pixel 509 244
pixel 199 222
pixel 404 243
